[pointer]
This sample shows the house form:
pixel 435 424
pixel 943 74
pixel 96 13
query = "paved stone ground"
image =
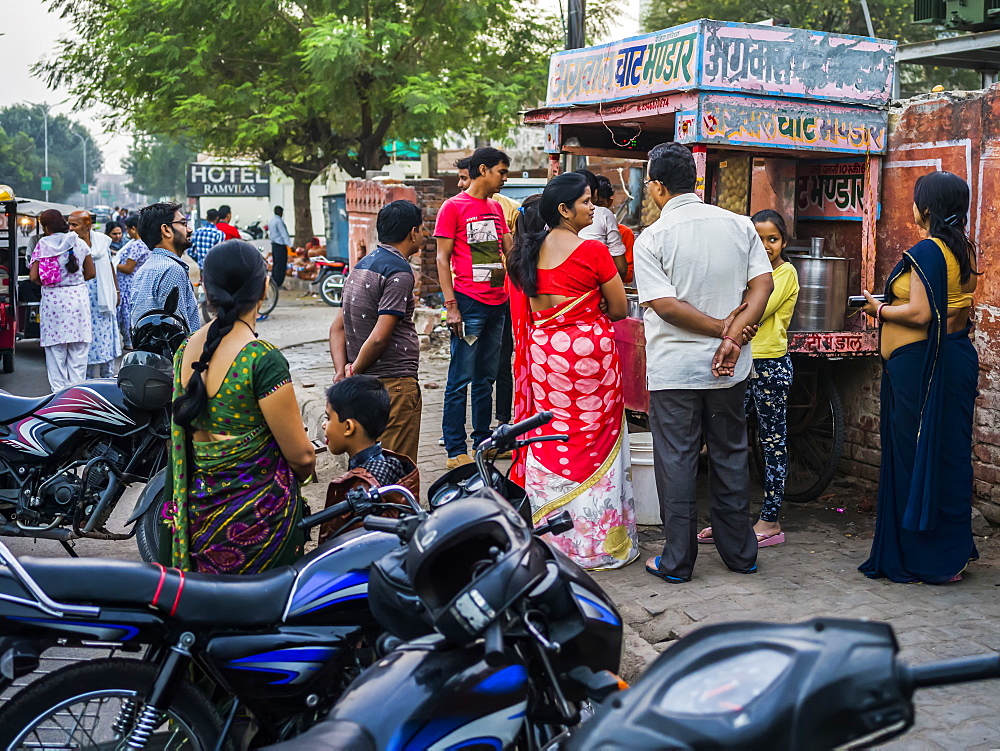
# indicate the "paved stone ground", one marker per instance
pixel 813 574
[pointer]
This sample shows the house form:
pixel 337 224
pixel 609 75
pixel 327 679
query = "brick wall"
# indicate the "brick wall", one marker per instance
pixel 430 196
pixel 365 198
pixel 958 132
pixel 858 381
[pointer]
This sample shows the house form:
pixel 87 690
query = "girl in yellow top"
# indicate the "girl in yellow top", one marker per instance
pixel 772 374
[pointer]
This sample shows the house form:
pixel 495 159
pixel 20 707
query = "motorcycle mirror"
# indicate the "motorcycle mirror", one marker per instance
pixel 170 306
pixel 556 525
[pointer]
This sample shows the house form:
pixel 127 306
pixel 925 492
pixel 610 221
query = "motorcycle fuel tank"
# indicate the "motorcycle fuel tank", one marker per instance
pixel 437 700
pixel 96 405
pixel 331 586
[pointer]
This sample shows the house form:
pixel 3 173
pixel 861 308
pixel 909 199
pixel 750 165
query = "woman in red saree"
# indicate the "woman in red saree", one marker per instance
pixel 564 293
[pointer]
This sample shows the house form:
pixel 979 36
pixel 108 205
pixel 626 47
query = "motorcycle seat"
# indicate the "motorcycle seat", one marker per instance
pixel 13 408
pixel 208 599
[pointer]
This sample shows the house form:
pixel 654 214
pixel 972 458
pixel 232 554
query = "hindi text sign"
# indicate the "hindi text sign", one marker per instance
pixel 746 121
pixel 831 190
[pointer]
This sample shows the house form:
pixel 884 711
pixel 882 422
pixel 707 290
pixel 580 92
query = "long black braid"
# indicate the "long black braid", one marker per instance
pixel 234 277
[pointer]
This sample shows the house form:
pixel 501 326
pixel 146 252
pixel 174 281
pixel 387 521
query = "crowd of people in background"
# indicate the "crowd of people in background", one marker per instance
pixel 531 292
pixel 718 292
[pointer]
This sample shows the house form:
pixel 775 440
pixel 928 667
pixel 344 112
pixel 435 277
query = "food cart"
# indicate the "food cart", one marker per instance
pixel 788 119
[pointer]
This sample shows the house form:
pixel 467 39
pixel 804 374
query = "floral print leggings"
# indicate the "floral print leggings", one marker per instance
pixel 768 391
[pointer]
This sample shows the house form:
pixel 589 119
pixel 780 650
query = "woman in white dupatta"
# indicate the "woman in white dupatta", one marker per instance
pixel 106 344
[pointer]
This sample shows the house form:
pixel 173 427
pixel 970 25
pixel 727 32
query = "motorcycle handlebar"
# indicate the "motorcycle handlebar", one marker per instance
pixel 980 667
pixel 359 501
pixel 381 524
pixel 494 651
pixel 325 515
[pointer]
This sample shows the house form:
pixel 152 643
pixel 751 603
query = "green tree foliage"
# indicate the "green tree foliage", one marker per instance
pixel 22 152
pixel 309 83
pixel 16 157
pixel 891 19
pixel 157 167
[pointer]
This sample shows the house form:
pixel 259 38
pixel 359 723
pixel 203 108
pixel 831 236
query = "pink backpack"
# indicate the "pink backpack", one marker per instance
pixel 49 270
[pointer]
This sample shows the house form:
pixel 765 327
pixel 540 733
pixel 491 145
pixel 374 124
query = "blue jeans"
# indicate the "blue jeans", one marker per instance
pixel 474 364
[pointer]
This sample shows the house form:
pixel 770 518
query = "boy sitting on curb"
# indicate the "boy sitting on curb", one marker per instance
pixel 357 410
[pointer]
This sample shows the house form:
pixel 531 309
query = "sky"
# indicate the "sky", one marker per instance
pixel 30 35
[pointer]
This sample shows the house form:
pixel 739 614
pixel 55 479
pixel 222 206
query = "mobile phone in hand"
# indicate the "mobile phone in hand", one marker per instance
pixel 858 301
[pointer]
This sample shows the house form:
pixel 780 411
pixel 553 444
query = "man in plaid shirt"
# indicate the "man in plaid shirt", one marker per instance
pixel 205 238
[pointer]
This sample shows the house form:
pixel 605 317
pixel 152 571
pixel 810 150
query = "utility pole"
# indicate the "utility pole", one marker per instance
pixel 576 24
pixel 85 180
pixel 868 17
pixel 45 112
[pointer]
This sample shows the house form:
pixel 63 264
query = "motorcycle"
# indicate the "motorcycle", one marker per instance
pixel 255 231
pixel 332 275
pixel 523 638
pixel 822 684
pixel 66 458
pixel 278 646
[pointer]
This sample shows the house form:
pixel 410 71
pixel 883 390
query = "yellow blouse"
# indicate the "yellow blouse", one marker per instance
pixel 956 297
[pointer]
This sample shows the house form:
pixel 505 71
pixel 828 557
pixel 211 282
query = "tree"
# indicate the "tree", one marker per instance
pixel 16 157
pixel 305 84
pixel 891 19
pixel 24 128
pixel 157 167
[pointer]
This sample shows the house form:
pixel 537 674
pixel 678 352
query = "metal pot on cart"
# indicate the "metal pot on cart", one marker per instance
pixel 765 134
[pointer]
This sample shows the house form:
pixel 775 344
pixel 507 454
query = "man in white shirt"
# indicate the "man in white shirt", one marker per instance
pixel 703 277
pixel 604 228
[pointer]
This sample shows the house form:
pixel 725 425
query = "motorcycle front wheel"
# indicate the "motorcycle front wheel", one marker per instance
pixel 97 704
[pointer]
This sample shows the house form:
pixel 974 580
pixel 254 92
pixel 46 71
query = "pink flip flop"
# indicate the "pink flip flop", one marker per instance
pixel 706 540
pixel 764 541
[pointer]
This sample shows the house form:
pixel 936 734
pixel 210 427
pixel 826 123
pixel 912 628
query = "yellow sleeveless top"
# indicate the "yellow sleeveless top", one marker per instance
pixel 956 297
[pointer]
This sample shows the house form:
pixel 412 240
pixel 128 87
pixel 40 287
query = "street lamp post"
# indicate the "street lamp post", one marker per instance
pixel 45 112
pixel 85 181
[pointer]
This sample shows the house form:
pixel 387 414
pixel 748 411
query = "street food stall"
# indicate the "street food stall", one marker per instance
pixel 777 118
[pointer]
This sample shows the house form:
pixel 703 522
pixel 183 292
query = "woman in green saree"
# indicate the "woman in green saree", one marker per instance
pixel 239 448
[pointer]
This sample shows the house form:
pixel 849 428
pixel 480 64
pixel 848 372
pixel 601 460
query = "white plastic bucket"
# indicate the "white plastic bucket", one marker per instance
pixel 647 502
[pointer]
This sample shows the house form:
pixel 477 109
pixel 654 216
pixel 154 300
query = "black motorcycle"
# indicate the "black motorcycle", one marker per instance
pixel 66 458
pixel 522 637
pixel 275 649
pixel 812 686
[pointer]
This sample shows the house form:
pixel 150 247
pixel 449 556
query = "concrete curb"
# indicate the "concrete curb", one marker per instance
pixel 637 655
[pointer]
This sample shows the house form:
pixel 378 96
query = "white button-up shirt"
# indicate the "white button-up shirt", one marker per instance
pixel 604 229
pixel 704 256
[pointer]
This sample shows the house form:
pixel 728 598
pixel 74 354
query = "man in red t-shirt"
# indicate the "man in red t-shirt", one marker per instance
pixel 472 238
pixel 229 232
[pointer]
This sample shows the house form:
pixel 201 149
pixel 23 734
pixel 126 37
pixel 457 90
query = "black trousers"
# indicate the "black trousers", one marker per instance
pixel 279 263
pixel 505 373
pixel 678 419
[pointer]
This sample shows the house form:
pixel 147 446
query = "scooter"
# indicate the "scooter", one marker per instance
pixel 822 684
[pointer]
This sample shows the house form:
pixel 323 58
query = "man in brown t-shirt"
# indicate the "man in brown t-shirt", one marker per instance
pixel 375 332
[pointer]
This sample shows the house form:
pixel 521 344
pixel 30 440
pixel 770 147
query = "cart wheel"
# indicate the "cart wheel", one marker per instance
pixel 7 361
pixel 815 434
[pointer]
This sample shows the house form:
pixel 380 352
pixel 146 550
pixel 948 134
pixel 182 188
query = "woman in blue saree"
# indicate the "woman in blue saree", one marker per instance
pixel 923 527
